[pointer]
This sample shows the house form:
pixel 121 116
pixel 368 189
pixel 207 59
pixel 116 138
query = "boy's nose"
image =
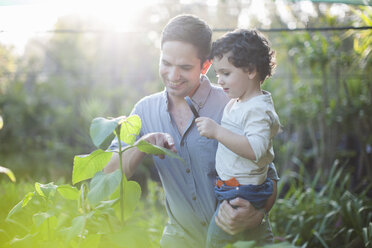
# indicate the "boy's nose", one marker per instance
pixel 220 81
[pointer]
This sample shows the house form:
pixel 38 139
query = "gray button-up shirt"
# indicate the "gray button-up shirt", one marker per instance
pixel 189 187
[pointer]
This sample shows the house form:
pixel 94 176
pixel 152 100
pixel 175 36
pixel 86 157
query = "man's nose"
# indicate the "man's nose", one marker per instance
pixel 174 74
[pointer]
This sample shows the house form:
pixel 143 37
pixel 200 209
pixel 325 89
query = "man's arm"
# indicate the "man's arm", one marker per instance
pixel 133 157
pixel 244 216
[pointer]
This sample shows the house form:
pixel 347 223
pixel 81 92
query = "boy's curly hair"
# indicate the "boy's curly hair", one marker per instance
pixel 250 49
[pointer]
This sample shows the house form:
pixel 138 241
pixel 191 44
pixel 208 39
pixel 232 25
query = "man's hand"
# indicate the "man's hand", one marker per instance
pixel 207 127
pixel 235 220
pixel 160 139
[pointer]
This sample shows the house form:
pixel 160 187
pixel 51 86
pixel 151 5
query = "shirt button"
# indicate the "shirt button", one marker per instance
pixel 187 170
pixel 194 198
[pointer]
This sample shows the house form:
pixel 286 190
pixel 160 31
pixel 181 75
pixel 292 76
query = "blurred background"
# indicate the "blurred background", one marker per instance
pixel 63 63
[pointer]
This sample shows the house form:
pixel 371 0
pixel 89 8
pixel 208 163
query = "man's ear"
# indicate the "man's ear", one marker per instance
pixel 207 64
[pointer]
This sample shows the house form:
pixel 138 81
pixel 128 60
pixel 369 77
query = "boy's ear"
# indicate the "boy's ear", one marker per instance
pixel 207 64
pixel 252 71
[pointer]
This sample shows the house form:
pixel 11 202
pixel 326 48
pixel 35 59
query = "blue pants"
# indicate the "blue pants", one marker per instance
pixel 257 196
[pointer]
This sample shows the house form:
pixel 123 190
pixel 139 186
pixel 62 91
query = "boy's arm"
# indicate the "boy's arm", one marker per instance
pixel 239 144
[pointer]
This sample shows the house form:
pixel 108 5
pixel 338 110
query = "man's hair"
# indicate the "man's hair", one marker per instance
pixel 249 48
pixel 189 29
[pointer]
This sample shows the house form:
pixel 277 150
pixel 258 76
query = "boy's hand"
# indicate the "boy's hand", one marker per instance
pixel 207 127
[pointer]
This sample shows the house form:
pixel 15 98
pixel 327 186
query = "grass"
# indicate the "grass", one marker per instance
pixel 307 215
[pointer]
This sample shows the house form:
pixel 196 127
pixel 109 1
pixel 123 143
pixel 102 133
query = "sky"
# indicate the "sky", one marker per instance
pixel 19 20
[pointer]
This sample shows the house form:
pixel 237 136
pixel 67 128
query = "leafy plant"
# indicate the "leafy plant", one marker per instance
pixel 327 216
pixel 5 170
pixel 93 214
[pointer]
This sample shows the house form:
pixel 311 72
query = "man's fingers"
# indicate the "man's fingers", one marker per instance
pixel 239 202
pixel 224 215
pixel 169 143
pixel 222 226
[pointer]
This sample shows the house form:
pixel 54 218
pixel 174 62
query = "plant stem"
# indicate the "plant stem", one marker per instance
pixel 122 176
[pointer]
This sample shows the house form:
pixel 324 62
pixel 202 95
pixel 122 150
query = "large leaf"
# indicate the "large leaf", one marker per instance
pixel 21 204
pixel 77 227
pixel 46 190
pixel 7 171
pixel 103 185
pixel 132 194
pixel 86 166
pixel 146 147
pixel 102 131
pixel 15 209
pixel 130 128
pixel 68 192
pixel 39 218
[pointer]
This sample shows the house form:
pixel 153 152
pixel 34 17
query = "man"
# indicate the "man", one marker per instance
pixel 167 121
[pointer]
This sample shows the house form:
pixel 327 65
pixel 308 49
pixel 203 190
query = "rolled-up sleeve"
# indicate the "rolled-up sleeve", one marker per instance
pixel 257 130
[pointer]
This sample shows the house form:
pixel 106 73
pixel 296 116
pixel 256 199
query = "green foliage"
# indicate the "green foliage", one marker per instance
pixel 86 166
pixel 8 172
pixel 328 217
pixel 95 215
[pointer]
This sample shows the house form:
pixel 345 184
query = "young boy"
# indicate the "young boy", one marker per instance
pixel 242 60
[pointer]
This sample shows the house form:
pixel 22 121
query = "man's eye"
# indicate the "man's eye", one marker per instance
pixel 226 73
pixel 166 63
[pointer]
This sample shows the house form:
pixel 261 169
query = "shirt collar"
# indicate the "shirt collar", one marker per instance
pixel 200 96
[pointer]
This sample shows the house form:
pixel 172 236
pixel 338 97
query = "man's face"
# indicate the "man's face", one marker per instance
pixel 180 68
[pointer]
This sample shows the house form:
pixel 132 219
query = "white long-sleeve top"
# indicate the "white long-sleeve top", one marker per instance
pixel 257 120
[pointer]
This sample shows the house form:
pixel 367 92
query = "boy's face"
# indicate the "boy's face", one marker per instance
pixel 236 82
pixel 180 68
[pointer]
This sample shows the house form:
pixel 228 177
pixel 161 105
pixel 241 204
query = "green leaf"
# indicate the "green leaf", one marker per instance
pixel 27 198
pixel 15 209
pixel 46 190
pixel 148 148
pixel 5 170
pixel 22 242
pixel 1 122
pixel 21 204
pixel 130 128
pixel 68 192
pixel 103 185
pixel 78 224
pixel 132 195
pixel 86 166
pixel 39 218
pixel 102 131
